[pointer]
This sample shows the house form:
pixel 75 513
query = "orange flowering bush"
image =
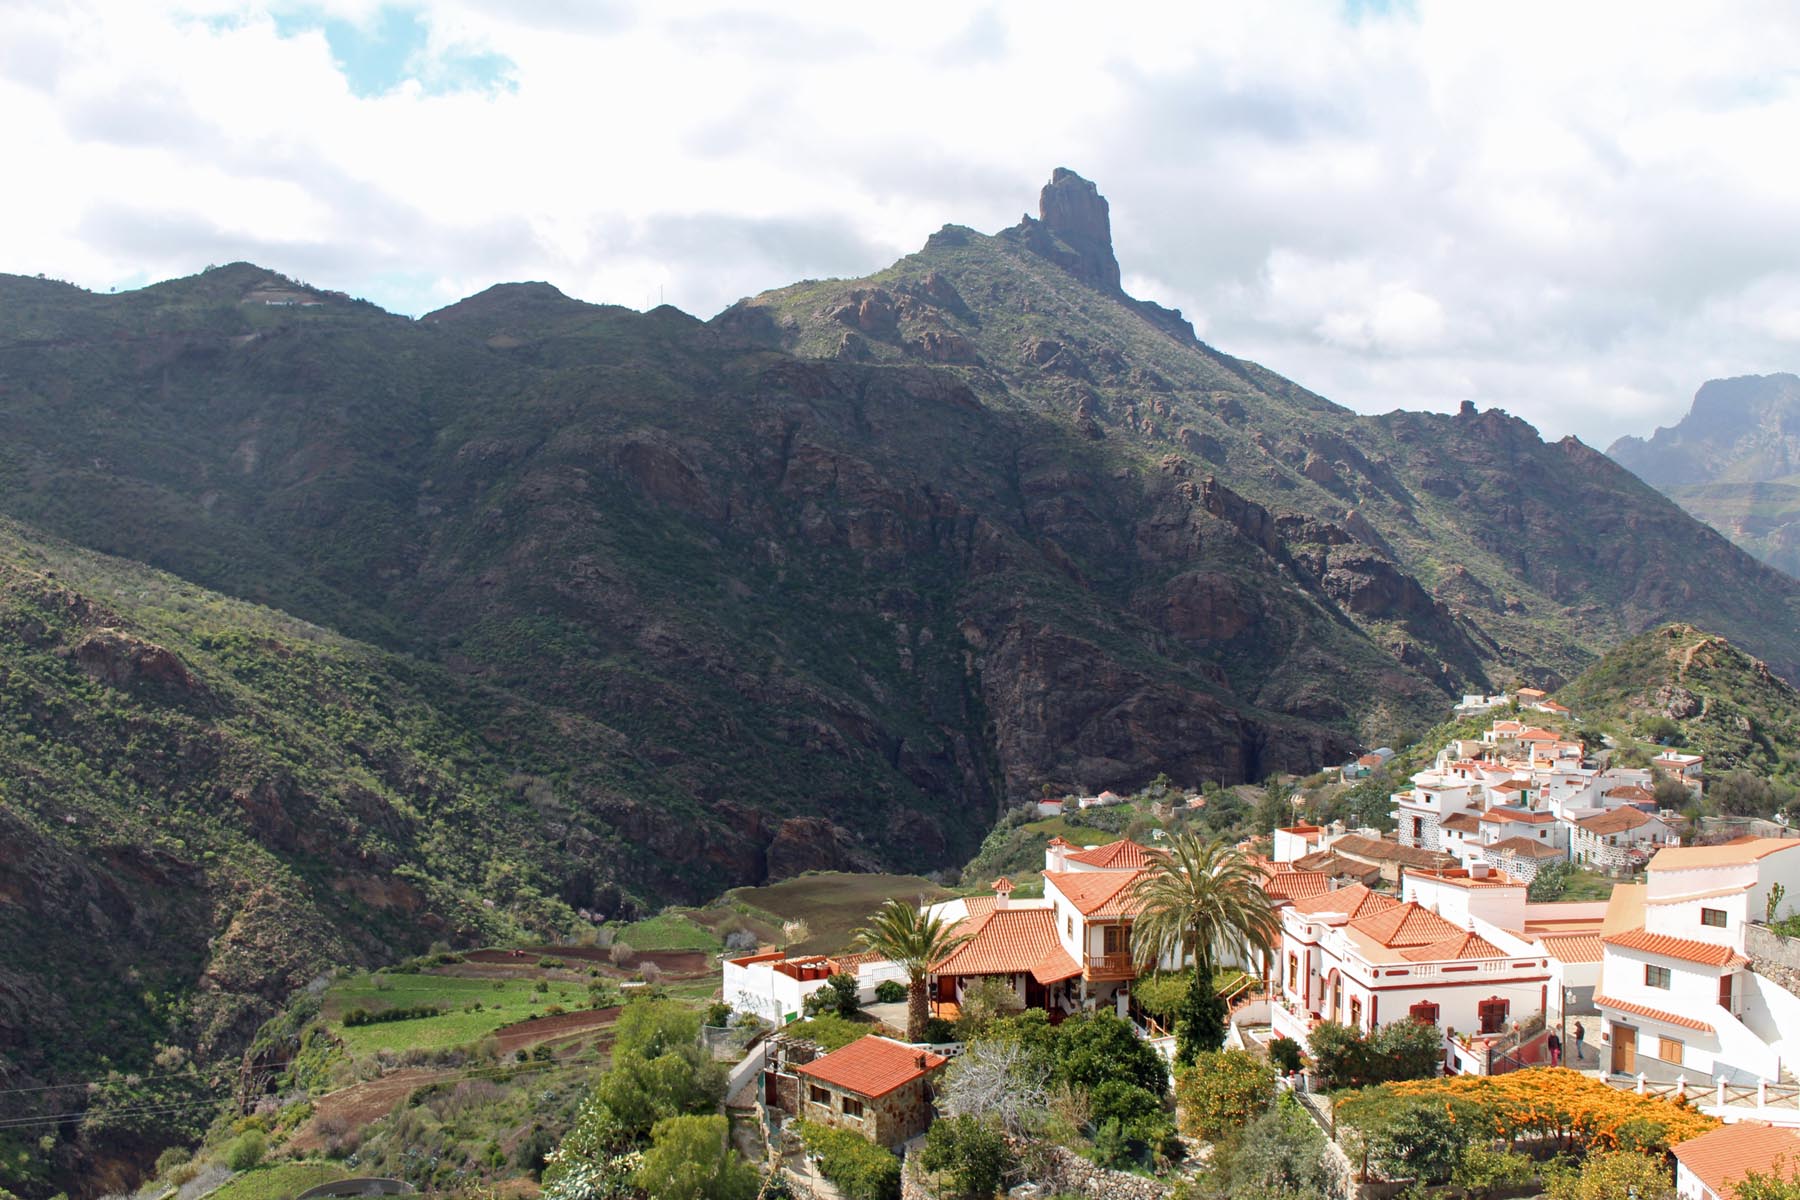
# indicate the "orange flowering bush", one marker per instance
pixel 1563 1105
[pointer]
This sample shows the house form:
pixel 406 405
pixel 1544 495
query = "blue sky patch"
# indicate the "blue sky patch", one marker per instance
pixel 390 49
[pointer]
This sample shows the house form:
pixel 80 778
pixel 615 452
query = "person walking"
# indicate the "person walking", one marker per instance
pixel 1554 1044
pixel 1580 1036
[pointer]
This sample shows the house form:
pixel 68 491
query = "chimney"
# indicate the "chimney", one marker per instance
pixel 1478 870
pixel 1002 890
pixel 921 1060
pixel 1056 855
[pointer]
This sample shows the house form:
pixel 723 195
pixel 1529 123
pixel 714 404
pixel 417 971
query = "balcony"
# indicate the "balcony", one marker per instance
pixel 1102 967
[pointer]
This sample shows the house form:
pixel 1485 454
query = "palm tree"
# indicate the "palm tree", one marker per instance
pixel 904 935
pixel 1207 899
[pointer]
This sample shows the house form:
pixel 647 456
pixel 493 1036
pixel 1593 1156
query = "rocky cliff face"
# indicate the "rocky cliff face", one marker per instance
pixel 1734 462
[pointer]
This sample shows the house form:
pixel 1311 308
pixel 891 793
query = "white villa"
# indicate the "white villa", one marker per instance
pixel 1674 995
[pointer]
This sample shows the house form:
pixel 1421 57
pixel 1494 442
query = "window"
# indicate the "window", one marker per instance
pixel 819 1095
pixel 1715 917
pixel 1293 972
pixel 852 1108
pixel 1356 1012
pixel 1069 925
pixel 1656 977
pixel 1424 1012
pixel 1672 1050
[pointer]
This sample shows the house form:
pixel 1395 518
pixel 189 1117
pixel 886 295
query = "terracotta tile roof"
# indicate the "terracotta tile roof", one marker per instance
pixel 1722 1158
pixel 1011 941
pixel 1354 902
pixel 1574 947
pixel 1631 793
pixel 1458 877
pixel 1618 820
pixel 1462 945
pixel 1704 953
pixel 1736 854
pixel 1513 785
pixel 1409 924
pixel 1461 822
pixel 1528 847
pixel 1655 1014
pixel 1521 816
pixel 872 1066
pixel 1354 845
pixel 1122 855
pixel 1283 882
pixel 1335 865
pixel 1101 894
pixel 1538 735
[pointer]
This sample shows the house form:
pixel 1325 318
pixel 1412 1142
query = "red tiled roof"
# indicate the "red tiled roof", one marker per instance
pixel 1354 845
pixel 1463 945
pixel 1522 816
pixel 1409 924
pixel 1462 822
pixel 1574 947
pixel 1283 882
pixel 1631 793
pixel 1617 820
pixel 1705 953
pixel 1722 1158
pixel 1101 894
pixel 1732 854
pixel 1354 901
pixel 1528 847
pixel 1334 865
pixel 1655 1014
pixel 872 1066
pixel 1011 941
pixel 1122 855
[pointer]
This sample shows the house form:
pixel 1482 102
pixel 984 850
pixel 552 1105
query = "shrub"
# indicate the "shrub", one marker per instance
pixel 362 1016
pixel 1340 1055
pixel 938 1031
pixel 1200 1022
pixel 1281 1152
pixel 829 1030
pixel 1100 1047
pixel 1222 1092
pixel 1417 1137
pixel 836 995
pixel 984 1002
pixel 1483 1170
pixel 890 991
pixel 691 1158
pixel 533 1149
pixel 1284 1055
pixel 550 963
pixel 169 1159
pixel 859 1168
pixel 970 1151
pixel 1406 1049
pixel 1610 1175
pixel 718 1014
pixel 1133 1120
pixel 246 1150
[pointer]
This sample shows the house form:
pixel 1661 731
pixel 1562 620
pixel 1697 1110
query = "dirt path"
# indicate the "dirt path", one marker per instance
pixel 676 962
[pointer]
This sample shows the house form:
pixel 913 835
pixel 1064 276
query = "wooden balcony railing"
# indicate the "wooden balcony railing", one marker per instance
pixel 1111 966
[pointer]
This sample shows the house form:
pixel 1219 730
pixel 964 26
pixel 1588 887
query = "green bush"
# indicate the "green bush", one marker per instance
pixel 246 1150
pixel 362 1016
pixel 1413 1137
pixel 859 1168
pixel 837 995
pixel 691 1158
pixel 1284 1055
pixel 1280 1153
pixel 890 991
pixel 171 1158
pixel 971 1152
pixel 1482 1170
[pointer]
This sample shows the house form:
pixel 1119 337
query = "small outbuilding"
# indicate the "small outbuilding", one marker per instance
pixel 875 1086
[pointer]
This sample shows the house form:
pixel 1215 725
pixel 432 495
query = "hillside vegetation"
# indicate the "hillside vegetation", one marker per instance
pixel 1700 694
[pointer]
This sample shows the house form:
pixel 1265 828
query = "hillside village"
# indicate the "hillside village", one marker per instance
pixel 1533 912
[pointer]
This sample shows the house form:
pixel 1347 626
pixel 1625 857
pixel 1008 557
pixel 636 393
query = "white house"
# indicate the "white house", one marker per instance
pixel 1620 838
pixel 774 986
pixel 1674 996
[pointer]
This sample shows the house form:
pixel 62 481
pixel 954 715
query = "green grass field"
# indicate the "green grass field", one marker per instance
pixel 1081 835
pixel 833 903
pixel 670 931
pixel 1587 885
pixel 502 1002
pixel 277 1181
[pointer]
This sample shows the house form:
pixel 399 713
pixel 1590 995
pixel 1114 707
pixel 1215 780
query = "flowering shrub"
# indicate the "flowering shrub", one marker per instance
pixel 1551 1103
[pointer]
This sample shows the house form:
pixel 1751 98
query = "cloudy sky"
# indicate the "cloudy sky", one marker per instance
pixel 1574 211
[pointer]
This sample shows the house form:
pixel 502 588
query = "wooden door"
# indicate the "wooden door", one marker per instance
pixel 1624 1050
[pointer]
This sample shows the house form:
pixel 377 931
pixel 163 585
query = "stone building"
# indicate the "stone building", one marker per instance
pixel 875 1086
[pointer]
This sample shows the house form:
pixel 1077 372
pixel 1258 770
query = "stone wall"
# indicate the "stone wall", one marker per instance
pixel 1766 946
pixel 1060 1170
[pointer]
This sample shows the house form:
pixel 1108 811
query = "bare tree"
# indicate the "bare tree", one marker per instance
pixel 650 971
pixel 999 1080
pixel 621 953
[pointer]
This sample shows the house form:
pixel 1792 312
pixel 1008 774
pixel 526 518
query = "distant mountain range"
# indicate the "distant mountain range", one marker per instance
pixel 432 630
pixel 1734 462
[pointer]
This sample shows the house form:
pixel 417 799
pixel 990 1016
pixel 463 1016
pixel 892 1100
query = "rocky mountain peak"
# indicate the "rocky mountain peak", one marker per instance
pixel 1074 210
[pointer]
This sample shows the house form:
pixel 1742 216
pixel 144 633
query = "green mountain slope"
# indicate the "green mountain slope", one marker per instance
pixel 566 606
pixel 1734 462
pixel 1723 703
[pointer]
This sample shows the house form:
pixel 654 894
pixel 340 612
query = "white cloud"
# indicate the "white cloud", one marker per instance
pixel 1576 212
